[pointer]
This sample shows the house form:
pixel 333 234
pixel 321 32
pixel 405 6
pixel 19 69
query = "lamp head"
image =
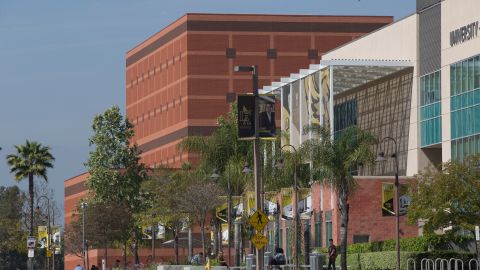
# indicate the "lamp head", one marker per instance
pixel 381 157
pixel 246 169
pixel 243 68
pixel 215 176
pixel 280 164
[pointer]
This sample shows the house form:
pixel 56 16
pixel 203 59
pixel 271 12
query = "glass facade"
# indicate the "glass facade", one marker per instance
pixel 430 109
pixel 465 107
pixel 345 115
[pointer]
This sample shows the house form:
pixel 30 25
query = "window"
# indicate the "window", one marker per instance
pixel 361 238
pixel 430 109
pixel 318 229
pixel 465 107
pixel 328 225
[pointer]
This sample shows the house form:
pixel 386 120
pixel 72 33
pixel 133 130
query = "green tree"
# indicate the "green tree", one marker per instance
pixel 11 230
pixel 31 159
pixel 447 196
pixel 333 161
pixel 114 165
pixel 162 192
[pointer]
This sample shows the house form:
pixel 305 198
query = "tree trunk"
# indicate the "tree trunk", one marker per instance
pixel 202 228
pixel 31 194
pixel 342 202
pixel 175 244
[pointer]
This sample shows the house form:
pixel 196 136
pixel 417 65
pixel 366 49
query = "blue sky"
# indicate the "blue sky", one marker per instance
pixel 62 62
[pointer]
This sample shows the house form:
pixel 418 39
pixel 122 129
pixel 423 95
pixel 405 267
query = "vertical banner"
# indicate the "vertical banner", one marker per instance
pixel 266 114
pixel 285 138
pixel 287 208
pixel 314 98
pixel 304 201
pixel 271 204
pixel 159 232
pixel 388 196
pixel 325 97
pixel 42 237
pixel 57 239
pixel 295 117
pixel 246 123
pixel 304 107
pixel 222 208
pixel 224 233
pixel 250 202
pixel 237 205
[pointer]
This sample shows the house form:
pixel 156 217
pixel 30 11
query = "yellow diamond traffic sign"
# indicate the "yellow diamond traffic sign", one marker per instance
pixel 259 240
pixel 258 220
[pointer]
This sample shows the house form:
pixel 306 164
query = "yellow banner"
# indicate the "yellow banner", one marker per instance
pixel 388 196
pixel 325 97
pixel 225 234
pixel 42 237
pixel 237 205
pixel 222 208
pixel 250 202
pixel 271 202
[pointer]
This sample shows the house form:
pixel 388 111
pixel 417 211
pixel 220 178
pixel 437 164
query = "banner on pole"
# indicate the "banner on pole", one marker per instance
pixel 42 237
pixel 287 207
pixel 266 116
pixel 388 196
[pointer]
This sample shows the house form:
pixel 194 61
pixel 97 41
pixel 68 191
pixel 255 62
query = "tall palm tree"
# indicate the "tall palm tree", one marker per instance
pixel 333 162
pixel 32 159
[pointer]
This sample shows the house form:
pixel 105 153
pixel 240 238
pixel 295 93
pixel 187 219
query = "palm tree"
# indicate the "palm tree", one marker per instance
pixel 333 162
pixel 32 159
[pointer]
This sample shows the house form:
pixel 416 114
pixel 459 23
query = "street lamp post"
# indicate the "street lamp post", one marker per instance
pixel 84 206
pixel 381 157
pixel 48 226
pixel 256 149
pixel 295 204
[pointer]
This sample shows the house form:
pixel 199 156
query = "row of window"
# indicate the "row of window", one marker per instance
pixel 430 109
pixel 430 88
pixel 465 122
pixel 465 146
pixel 465 76
pixel 345 115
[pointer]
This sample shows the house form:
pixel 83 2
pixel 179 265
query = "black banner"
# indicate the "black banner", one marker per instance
pixel 246 123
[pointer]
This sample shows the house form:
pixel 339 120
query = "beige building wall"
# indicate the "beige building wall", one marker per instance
pixel 397 41
pixel 455 14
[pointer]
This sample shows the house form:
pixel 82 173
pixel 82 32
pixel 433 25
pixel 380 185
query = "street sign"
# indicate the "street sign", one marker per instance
pixel 259 240
pixel 31 252
pixel 258 220
pixel 31 242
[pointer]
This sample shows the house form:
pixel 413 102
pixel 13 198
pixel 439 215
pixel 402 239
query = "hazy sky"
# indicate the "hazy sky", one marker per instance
pixel 62 62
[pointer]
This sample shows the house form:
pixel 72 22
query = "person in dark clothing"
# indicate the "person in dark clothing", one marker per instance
pixel 332 254
pixel 221 261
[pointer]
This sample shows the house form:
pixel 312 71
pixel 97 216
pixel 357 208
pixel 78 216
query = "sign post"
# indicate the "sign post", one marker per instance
pixel 259 220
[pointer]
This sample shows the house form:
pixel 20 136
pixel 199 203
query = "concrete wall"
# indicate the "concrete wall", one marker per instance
pixel 455 14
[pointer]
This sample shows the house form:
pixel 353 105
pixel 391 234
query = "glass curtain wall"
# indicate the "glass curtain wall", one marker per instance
pixel 430 109
pixel 465 107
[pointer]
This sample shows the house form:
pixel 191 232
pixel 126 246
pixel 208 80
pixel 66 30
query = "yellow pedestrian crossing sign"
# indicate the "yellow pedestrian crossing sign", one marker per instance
pixel 259 220
pixel 259 240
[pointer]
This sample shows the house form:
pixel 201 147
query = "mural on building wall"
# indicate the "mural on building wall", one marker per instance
pixel 295 128
pixel 325 97
pixel 285 114
pixel 304 107
pixel 314 99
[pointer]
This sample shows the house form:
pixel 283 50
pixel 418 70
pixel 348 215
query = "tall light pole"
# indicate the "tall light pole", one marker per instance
pixel 256 150
pixel 295 203
pixel 48 226
pixel 84 206
pixel 381 157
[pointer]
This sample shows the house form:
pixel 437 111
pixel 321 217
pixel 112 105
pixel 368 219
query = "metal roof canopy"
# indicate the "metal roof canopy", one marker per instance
pixel 348 74
pixel 345 74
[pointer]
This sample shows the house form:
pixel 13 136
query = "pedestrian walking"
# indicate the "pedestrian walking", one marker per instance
pixel 78 267
pixel 332 254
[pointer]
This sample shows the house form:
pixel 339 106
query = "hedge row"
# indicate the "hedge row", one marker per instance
pixel 387 259
pixel 414 244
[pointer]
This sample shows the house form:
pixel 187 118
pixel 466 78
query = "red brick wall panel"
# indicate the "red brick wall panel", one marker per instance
pixel 251 43
pixel 207 65
pixel 292 43
pixel 207 42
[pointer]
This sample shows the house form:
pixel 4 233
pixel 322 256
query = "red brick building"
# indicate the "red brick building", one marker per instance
pixel 177 79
